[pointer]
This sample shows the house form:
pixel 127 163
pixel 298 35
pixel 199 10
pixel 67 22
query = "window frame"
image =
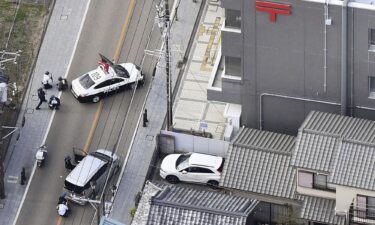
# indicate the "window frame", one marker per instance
pixel 308 173
pixel 371 87
pixel 232 25
pixel 371 40
pixel 314 182
pixel 318 186
pixel 226 60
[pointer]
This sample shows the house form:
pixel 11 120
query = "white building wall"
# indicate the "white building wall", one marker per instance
pixel 316 192
pixel 346 195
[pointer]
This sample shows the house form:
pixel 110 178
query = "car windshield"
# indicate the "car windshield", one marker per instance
pixel 121 71
pixel 86 81
pixel 182 162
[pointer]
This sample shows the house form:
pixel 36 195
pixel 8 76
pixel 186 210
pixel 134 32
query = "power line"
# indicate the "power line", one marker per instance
pixel 11 28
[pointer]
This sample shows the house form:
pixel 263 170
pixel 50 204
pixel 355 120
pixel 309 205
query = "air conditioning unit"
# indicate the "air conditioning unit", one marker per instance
pixel 340 212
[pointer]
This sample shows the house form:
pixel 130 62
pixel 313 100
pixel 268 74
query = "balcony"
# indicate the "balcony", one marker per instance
pixel 214 84
pixel 361 215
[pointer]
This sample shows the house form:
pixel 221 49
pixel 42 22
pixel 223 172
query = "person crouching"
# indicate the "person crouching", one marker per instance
pixel 54 102
pixel 47 80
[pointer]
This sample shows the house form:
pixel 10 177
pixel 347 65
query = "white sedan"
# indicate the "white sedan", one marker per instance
pixel 192 167
pixel 108 78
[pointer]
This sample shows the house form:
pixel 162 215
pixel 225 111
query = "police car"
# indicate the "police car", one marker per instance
pixel 108 78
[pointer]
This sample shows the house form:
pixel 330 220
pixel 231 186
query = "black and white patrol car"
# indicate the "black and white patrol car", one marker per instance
pixel 108 78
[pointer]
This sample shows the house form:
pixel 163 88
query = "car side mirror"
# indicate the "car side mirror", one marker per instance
pixel 184 172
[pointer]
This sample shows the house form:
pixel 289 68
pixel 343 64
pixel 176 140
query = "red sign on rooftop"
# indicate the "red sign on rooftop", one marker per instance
pixel 273 9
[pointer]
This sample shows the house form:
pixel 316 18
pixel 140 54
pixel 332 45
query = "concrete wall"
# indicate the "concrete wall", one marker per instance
pixel 190 143
pixel 287 58
pixel 346 195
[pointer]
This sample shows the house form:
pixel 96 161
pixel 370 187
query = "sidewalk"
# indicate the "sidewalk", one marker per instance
pixel 54 56
pixel 192 93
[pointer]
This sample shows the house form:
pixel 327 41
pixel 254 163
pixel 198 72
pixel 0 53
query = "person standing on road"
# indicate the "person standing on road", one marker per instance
pixel 42 97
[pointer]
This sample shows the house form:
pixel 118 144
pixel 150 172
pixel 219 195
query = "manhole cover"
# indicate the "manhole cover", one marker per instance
pixel 29 111
pixel 149 137
pixel 63 17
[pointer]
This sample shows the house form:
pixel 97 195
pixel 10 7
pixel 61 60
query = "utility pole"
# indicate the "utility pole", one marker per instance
pixel 95 204
pixel 168 70
pixel 2 185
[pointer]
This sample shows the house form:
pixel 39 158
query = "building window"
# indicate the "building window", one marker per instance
pixel 365 207
pixel 372 37
pixel 314 180
pixel 232 66
pixel 320 181
pixel 233 18
pixel 305 179
pixel 371 84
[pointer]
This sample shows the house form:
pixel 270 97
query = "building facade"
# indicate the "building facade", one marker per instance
pixel 281 59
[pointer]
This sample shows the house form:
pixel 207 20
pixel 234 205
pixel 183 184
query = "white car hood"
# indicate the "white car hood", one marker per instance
pixel 169 163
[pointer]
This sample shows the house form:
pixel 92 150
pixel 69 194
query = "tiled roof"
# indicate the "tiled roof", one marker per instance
pixel 314 151
pixel 264 140
pixel 355 165
pixel 258 161
pixel 143 209
pixel 339 145
pixel 320 210
pixel 346 127
pixel 185 206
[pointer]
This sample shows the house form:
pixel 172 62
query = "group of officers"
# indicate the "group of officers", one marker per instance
pixel 47 82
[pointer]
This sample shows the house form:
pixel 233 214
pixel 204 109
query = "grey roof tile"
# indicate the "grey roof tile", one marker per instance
pixel 143 209
pixel 185 206
pixel 314 151
pixel 320 210
pixel 339 145
pixel 258 161
pixel 340 126
pixel 355 165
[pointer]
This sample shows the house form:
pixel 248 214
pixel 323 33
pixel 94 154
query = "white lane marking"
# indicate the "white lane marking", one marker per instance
pixel 53 113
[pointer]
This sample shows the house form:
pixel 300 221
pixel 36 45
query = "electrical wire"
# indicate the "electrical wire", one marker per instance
pixel 127 113
pixel 11 28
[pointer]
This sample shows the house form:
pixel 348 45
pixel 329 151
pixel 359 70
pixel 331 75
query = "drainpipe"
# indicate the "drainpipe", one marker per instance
pixel 287 97
pixel 344 23
pixel 325 46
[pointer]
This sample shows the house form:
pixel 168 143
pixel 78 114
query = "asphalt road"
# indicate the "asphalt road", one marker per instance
pixel 72 123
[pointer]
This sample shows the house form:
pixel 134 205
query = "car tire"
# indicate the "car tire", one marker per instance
pixel 172 179
pixel 96 99
pixel 143 81
pixel 213 184
pixel 116 169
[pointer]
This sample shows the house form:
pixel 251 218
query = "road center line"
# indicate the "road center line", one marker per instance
pixel 125 25
pixel 93 126
pixel 116 56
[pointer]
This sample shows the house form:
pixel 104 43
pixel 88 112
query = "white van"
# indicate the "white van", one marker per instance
pixel 92 168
